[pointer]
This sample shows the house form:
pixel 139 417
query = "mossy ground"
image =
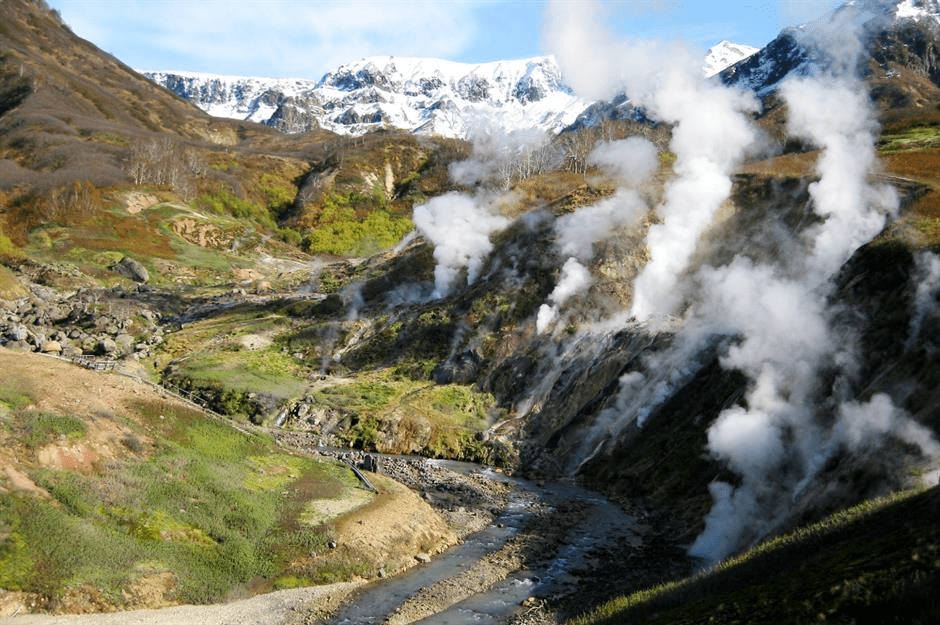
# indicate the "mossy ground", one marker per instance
pixel 220 509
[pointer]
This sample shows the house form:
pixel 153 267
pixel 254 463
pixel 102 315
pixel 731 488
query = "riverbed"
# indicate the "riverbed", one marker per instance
pixel 536 541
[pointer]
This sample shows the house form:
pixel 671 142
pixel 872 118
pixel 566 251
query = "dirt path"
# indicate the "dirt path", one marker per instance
pixel 274 608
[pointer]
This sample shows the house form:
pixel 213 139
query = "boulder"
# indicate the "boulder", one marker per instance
pixel 132 269
pixel 52 347
pixel 124 342
pixel 18 333
pixel 106 346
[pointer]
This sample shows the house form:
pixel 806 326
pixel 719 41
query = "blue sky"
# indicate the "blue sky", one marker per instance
pixel 306 38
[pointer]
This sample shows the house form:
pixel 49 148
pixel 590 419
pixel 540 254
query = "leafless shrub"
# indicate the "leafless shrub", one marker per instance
pixel 577 145
pixel 69 203
pixel 165 162
pixel 132 443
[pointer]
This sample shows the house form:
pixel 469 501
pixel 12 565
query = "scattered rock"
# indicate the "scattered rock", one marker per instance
pixel 124 342
pixel 254 341
pixel 18 333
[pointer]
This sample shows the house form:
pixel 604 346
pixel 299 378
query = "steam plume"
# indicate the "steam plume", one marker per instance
pixel 711 133
pixel 459 227
pixel 928 286
pixel 575 278
pixel 776 320
pixel 631 161
pixel 778 443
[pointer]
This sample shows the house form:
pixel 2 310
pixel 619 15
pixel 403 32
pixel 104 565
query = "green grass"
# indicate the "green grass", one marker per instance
pixel 875 561
pixel 36 429
pixel 224 202
pixel 340 231
pixel 449 415
pixel 13 397
pixel 910 140
pixel 208 357
pixel 216 507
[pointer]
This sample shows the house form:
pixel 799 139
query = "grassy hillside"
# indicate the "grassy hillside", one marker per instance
pixel 878 562
pixel 123 498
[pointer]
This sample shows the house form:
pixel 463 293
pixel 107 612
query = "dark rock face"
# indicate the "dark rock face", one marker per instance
pixel 474 89
pixel 348 80
pixel 914 45
pixel 293 115
pixel 764 70
pixel 909 43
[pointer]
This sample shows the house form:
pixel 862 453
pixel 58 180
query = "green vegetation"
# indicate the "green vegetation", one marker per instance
pixel 875 562
pixel 36 429
pixel 224 202
pixel 340 232
pixel 209 506
pixel 914 139
pixel 210 359
pixel 112 138
pixel 394 413
pixel 8 250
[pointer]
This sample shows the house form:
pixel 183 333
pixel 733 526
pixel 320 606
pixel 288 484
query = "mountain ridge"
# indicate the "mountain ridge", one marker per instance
pixel 419 94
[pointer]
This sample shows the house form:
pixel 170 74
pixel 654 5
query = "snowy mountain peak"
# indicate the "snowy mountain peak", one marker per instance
pixel 917 9
pixel 725 54
pixel 422 95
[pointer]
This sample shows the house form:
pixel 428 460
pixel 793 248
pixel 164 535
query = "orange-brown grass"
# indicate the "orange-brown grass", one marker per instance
pixel 546 188
pixel 111 231
pixel 923 165
pixel 794 165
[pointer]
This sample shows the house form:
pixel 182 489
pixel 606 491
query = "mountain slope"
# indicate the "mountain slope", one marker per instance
pixel 783 384
pixel 911 24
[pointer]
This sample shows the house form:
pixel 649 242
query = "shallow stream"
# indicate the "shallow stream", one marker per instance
pixel 598 523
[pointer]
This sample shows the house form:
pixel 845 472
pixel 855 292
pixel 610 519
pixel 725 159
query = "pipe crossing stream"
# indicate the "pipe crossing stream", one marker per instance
pixel 559 525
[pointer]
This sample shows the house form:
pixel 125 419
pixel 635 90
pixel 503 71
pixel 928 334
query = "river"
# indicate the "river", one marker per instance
pixel 535 547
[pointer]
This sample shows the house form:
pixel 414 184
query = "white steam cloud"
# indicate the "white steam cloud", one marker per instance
pixel 632 160
pixel 711 134
pixel 500 156
pixel 837 116
pixel 927 274
pixel 778 443
pixel 575 279
pixel 459 227
pixel 577 232
pixel 779 320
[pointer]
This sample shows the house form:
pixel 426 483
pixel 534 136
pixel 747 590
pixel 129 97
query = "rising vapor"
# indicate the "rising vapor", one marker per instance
pixel 773 321
pixel 459 226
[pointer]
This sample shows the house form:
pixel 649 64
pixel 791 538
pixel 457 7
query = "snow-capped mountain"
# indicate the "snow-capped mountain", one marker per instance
pixel 422 95
pixel 725 54
pixel 918 9
pixel 903 33
pixel 236 97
